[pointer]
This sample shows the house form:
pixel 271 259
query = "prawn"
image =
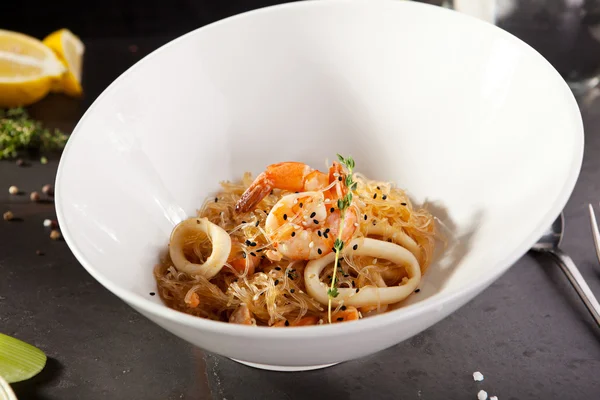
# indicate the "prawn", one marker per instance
pixel 302 225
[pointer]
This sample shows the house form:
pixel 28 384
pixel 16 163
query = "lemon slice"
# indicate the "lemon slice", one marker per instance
pixel 28 69
pixel 69 50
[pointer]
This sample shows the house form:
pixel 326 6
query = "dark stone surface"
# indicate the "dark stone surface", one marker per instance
pixel 529 333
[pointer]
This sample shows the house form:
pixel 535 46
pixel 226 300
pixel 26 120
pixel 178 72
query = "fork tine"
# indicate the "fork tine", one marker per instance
pixel 595 231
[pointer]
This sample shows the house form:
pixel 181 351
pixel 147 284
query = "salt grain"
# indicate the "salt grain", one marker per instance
pixel 482 395
pixel 477 376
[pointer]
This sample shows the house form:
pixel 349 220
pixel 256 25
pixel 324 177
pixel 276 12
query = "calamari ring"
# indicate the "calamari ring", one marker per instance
pixel 368 295
pixel 397 235
pixel 221 247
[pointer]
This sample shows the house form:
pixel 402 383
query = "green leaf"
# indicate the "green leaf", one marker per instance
pixel 18 360
pixel 342 160
pixel 349 180
pixel 348 199
pixel 350 163
pixel 333 293
pixel 338 245
pixel 341 204
pixel 354 185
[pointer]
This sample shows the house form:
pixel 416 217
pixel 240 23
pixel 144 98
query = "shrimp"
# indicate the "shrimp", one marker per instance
pixel 290 176
pixel 303 225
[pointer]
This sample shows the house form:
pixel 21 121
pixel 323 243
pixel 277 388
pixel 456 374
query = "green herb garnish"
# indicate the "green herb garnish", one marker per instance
pixel 343 204
pixel 19 133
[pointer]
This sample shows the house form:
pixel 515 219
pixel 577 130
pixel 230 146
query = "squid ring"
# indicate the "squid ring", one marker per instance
pixel 221 247
pixel 368 295
pixel 397 236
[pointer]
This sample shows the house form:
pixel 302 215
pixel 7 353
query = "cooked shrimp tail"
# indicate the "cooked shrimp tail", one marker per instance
pixel 290 176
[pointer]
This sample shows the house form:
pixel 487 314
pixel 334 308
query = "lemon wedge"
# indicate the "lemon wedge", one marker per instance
pixel 69 50
pixel 28 69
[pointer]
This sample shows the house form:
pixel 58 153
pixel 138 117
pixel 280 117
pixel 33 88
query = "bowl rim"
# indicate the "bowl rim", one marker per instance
pixel 435 302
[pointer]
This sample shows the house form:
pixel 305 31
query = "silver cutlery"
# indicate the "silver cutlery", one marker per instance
pixel 549 244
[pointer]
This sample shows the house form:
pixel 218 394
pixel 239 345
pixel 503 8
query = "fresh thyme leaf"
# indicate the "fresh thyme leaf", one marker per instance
pixel 350 163
pixel 333 293
pixel 341 204
pixel 349 180
pixel 354 185
pixel 20 133
pixel 348 199
pixel 342 160
pixel 338 244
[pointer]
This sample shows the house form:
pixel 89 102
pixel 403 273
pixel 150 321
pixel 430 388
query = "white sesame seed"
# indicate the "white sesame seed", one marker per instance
pixel 494 398
pixel 482 395
pixel 295 201
pixel 374 261
pixel 311 276
pixel 356 224
pixel 311 245
pixel 477 376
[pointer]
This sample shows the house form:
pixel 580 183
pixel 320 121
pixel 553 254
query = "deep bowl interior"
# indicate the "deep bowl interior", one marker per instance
pixel 458 112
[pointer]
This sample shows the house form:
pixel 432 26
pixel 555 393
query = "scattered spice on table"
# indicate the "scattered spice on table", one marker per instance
pixel 48 190
pixel 35 197
pixel 55 235
pixel 13 190
pixel 8 216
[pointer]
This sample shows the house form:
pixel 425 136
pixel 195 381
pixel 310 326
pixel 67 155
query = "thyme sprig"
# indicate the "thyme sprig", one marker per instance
pixel 343 204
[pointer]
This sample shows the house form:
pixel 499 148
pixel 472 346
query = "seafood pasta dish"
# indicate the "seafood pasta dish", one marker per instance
pixel 295 247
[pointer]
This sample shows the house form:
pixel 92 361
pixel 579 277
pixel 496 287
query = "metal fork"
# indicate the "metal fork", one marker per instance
pixel 595 231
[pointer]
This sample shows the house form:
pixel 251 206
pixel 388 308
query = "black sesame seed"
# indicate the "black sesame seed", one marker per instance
pixel 197 221
pixel 374 222
pixel 384 197
pixel 328 276
pixel 262 257
pixel 278 268
pixel 257 223
pixel 293 234
pixel 252 254
pixel 216 199
pixel 353 283
pixel 340 319
pixel 331 209
pixel 301 205
pixel 259 250
pixel 375 196
pixel 343 308
pixel 276 282
pixel 312 215
pixel 365 217
pixel 357 289
pixel 287 323
pixel 378 188
pixel 315 222
pixel 243 222
pixel 152 293
pixel 339 178
pixel 266 212
pixel 319 251
pixel 248 242
pixel 292 290
pixel 319 233
pixel 417 290
pixel 244 255
pixel 285 217
pixel 325 235
pixel 333 249
pixel 253 244
pixel 327 230
pixel 403 204
pixel 346 275
pixel 355 247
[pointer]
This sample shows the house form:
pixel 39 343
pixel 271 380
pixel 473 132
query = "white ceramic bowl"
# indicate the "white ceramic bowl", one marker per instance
pixel 453 109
